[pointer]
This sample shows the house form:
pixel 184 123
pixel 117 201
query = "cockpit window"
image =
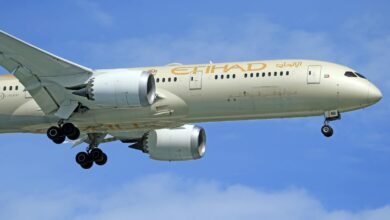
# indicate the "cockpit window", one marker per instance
pixel 360 75
pixel 350 74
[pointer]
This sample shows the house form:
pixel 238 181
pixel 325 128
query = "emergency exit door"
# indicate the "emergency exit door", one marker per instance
pixel 314 74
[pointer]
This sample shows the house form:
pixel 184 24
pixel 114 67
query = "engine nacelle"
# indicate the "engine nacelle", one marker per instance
pixel 120 89
pixel 184 143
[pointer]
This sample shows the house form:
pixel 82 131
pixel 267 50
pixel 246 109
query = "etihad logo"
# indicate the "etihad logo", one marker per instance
pixel 289 64
pixel 213 68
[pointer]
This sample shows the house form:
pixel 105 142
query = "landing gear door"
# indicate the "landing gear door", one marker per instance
pixel 196 80
pixel 314 75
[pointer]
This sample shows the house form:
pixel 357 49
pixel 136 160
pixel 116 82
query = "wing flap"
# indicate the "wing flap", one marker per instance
pixel 36 90
pixel 44 100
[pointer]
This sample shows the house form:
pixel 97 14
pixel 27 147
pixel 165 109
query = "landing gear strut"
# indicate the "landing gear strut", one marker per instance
pixel 59 133
pixel 326 129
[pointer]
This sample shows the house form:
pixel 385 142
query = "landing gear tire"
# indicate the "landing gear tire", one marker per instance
pixel 54 132
pixel 68 128
pixel 96 154
pixel 82 157
pixel 87 165
pixel 102 160
pixel 56 135
pixel 84 160
pixel 327 131
pixel 75 135
pixel 59 140
pixel 70 131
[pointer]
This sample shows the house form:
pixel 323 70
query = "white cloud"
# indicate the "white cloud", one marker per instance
pixel 169 197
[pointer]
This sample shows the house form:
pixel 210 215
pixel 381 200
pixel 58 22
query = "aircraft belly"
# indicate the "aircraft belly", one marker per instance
pixel 123 120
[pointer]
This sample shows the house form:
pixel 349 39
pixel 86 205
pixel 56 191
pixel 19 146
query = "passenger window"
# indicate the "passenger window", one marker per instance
pixel 281 73
pixel 251 75
pixel 16 87
pixel 192 78
pixel 257 74
pixel 158 80
pixel 227 76
pixel 263 74
pixel 221 76
pixel 245 75
pixel 349 74
pixel 10 88
pixel 275 73
pixel 269 73
pixel 4 88
pixel 234 76
pixel 169 79
pixel 287 73
pixel 216 77
pixel 163 79
pixel 175 79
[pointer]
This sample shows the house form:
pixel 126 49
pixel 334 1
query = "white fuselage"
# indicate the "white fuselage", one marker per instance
pixel 208 92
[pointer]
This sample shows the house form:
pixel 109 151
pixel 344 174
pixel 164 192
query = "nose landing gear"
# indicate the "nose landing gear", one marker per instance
pixel 326 129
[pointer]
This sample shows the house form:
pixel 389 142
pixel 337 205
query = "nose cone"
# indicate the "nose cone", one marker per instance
pixel 374 95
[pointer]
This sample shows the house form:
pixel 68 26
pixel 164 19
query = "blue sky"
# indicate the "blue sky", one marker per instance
pixel 272 169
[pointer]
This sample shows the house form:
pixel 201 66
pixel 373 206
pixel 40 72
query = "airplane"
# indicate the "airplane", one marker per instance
pixel 154 109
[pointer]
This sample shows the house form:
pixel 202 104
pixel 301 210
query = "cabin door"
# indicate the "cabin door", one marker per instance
pixel 196 80
pixel 314 75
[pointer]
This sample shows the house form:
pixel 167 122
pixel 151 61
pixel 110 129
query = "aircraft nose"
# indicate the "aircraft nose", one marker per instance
pixel 374 94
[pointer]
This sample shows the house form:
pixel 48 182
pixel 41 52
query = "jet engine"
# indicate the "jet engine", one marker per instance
pixel 184 143
pixel 119 89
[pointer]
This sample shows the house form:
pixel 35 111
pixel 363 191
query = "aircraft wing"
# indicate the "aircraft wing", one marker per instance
pixel 44 75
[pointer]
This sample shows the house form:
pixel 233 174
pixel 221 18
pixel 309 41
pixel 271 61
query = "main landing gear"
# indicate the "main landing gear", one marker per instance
pixel 86 159
pixel 67 130
pixel 326 129
pixel 93 154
